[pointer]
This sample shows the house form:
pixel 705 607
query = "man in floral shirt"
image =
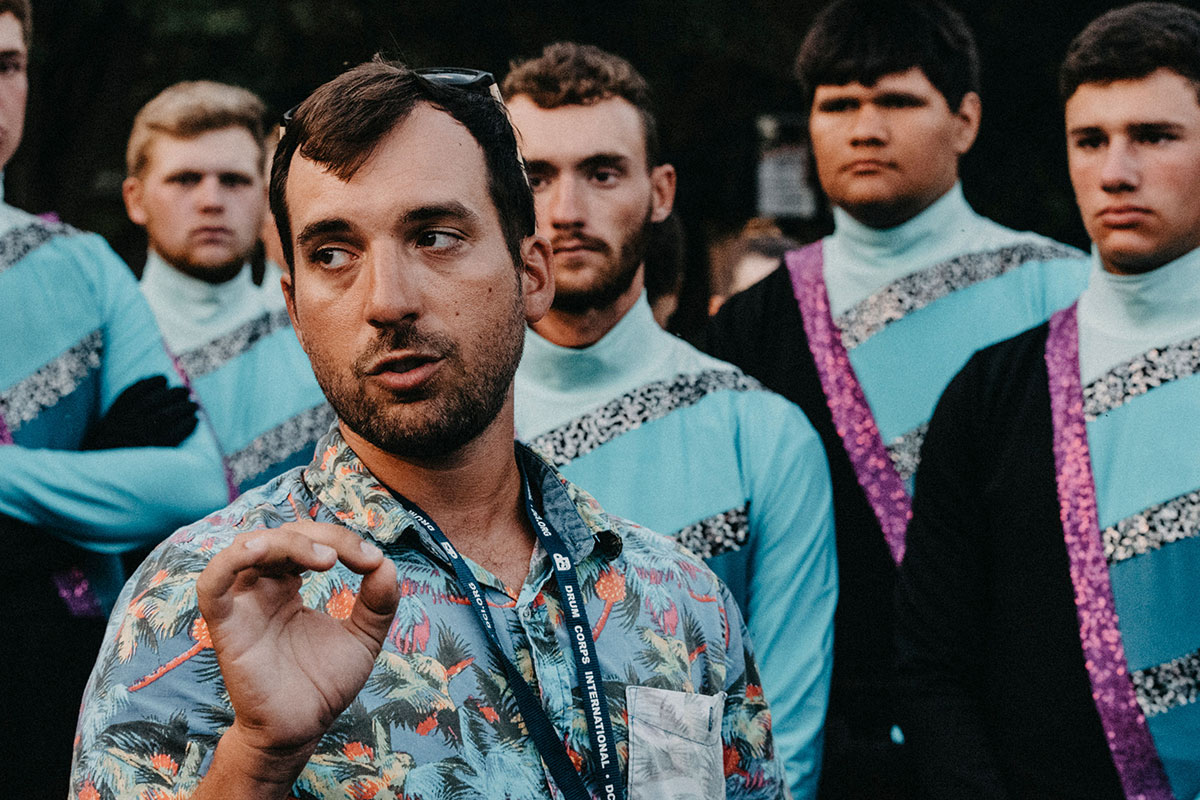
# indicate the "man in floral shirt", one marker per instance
pixel 323 637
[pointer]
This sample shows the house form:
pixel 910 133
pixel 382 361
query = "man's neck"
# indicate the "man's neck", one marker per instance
pixel 585 328
pixel 474 495
pixel 882 216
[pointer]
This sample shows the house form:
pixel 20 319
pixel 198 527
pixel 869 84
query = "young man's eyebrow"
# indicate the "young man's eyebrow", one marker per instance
pixel 320 228
pixel 451 210
pixel 604 160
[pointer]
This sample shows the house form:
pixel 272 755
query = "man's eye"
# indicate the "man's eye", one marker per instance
pixel 437 240
pixel 1089 142
pixel 604 176
pixel 330 258
pixel 537 182
pixel 11 66
pixel 836 106
pixel 185 179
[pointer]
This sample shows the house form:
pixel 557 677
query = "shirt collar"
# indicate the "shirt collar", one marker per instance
pixel 1160 302
pixel 608 361
pixel 339 480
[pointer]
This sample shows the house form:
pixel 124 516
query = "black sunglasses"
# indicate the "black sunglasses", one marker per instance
pixel 471 80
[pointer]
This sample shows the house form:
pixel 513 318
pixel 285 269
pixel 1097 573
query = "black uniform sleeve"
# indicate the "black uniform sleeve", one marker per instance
pixel 940 596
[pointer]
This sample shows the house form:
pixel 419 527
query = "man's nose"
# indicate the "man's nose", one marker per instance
pixel 869 126
pixel 1120 170
pixel 392 292
pixel 567 205
pixel 211 193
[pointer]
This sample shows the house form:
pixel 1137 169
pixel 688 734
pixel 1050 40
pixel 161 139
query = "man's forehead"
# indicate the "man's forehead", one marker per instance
pixel 429 158
pixel 575 132
pixel 12 36
pixel 232 147
pixel 1162 97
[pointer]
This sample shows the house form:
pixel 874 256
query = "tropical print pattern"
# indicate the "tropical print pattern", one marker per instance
pixel 436 718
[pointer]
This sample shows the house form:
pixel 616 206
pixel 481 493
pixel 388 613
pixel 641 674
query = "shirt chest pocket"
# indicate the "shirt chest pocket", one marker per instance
pixel 674 745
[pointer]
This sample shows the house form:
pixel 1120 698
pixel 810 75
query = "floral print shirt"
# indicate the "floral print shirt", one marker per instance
pixel 436 718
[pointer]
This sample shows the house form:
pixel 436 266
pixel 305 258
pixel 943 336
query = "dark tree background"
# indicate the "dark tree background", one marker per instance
pixel 715 65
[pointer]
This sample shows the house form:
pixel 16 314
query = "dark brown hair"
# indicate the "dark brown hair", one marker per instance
pixel 860 41
pixel 342 123
pixel 570 74
pixel 1132 42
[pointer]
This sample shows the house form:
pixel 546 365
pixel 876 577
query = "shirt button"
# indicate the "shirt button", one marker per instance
pixel 527 613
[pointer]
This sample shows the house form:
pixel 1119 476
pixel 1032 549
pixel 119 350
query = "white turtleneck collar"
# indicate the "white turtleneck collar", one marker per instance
pixel 10 216
pixel 192 312
pixel 555 384
pixel 861 260
pixel 1121 316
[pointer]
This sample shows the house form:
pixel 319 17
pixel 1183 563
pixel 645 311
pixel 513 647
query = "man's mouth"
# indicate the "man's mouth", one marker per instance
pixel 866 166
pixel 1123 216
pixel 404 371
pixel 579 245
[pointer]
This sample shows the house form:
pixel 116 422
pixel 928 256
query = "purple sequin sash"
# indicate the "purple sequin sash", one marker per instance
pixel 1134 754
pixel 5 433
pixel 852 417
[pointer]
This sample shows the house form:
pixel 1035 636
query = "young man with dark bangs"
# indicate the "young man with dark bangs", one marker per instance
pixel 865 328
pixel 1047 618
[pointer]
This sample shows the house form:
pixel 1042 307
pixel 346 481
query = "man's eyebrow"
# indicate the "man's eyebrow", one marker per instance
pixel 1154 126
pixel 1085 130
pixel 320 228
pixel 604 160
pixel 449 210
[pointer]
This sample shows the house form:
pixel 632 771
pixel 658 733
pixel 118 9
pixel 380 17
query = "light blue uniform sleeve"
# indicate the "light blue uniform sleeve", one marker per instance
pixel 114 500
pixel 793 589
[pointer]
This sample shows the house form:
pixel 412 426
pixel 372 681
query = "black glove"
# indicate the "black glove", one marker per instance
pixel 146 414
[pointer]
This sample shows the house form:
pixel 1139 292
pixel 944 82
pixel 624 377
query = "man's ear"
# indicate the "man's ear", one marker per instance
pixel 662 182
pixel 970 112
pixel 131 193
pixel 537 277
pixel 286 283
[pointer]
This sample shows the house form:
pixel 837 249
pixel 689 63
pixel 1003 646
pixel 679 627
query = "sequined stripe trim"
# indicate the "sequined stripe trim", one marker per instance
pixel 209 357
pixel 1170 685
pixel 630 411
pixel 1139 375
pixel 905 451
pixel 1133 751
pixel 280 442
pixel 1157 526
pixel 52 382
pixel 23 240
pixel 885 489
pixel 913 292
pixel 5 434
pixel 720 533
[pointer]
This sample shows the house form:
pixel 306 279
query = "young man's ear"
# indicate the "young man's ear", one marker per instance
pixel 970 112
pixel 662 182
pixel 537 277
pixel 131 193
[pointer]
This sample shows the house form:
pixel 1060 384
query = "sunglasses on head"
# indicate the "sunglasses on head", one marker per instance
pixel 471 80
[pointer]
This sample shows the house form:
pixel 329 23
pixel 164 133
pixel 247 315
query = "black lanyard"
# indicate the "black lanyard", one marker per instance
pixel 587 664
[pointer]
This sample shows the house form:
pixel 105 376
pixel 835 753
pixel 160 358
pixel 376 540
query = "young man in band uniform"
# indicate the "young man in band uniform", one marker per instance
pixel 657 430
pixel 1047 606
pixel 414 267
pixel 196 184
pixel 865 328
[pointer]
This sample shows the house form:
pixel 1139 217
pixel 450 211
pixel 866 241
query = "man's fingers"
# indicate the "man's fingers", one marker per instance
pixel 355 552
pixel 280 550
pixel 376 605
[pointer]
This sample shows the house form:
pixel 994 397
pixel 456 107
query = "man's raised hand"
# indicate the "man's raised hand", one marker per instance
pixel 290 670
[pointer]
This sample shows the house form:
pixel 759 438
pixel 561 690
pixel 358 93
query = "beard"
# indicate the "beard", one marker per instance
pixel 614 281
pixel 454 407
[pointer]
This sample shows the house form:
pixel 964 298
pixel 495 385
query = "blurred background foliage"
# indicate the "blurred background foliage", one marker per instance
pixel 715 65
